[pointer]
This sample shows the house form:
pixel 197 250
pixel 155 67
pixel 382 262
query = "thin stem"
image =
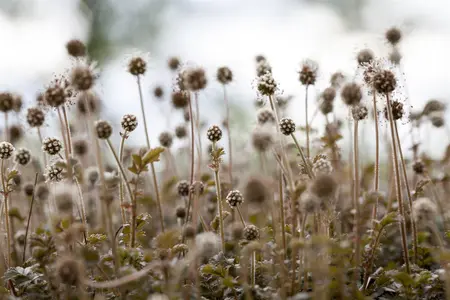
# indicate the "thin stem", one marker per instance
pixel 197 124
pixel 399 188
pixel 408 191
pixel 127 184
pixel 29 219
pixel 83 209
pixel 66 145
pixel 240 215
pixel 5 197
pixel 6 128
pixel 152 166
pixel 377 154
pixel 306 120
pixel 69 135
pixel 283 224
pixel 122 208
pixel 40 142
pixel 307 166
pixel 227 121
pixel 356 204
pixel 191 180
pixel 219 202
pixel 253 268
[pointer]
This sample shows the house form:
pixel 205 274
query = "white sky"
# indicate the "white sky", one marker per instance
pixel 215 33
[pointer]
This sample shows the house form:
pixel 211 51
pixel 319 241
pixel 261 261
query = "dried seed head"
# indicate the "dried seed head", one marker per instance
pixel 69 271
pixel 64 198
pixel 186 115
pixel 393 35
pixel 337 80
pixel 309 202
pixel 54 173
pixel 55 95
pixel 262 140
pixel 76 48
pixel 323 186
pixel 234 198
pixel 80 147
pixel 397 110
pixel 266 85
pixel 351 94
pixel 82 78
pixel 195 79
pixel 166 139
pixel 263 67
pixel 322 166
pixel 256 190
pixel 326 107
pixel 92 175
pixel 214 133
pixel 259 58
pixel 180 131
pixel 6 101
pixel 6 150
pixel 28 189
pixel 395 56
pixel 93 102
pixel 180 212
pixel 424 210
pixel 287 126
pixel 137 66
pixel 364 57
pixel 180 99
pixel 158 92
pixel 208 244
pixel 251 232
pixel 359 112
pixel 189 231
pixel 329 94
pixel 129 122
pixel 103 129
pixel 433 106
pixel 384 81
pixel 308 73
pixel 15 133
pixel 224 75
pixel 418 167
pixel 265 115
pixel 173 63
pixel 197 187
pixel 237 231
pixel 51 146
pixel 23 156
pixel 42 192
pixel 437 119
pixel 35 117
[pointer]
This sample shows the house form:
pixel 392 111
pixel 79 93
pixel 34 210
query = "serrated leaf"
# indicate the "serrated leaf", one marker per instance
pixel 133 169
pixel 137 159
pixel 152 155
pixel 389 219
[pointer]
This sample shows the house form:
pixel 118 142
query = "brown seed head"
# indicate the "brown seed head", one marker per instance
pixel 76 48
pixel 395 56
pixel 224 75
pixel 158 92
pixel 393 35
pixel 6 102
pixel 195 79
pixel 80 147
pixel 166 139
pixel 180 99
pixel 15 133
pixel 308 73
pixel 418 167
pixel 55 95
pixel 262 140
pixel 103 129
pixel 256 190
pixel 69 271
pixel 324 186
pixel 173 63
pixel 180 131
pixel 337 80
pixel 35 117
pixel 384 82
pixel 433 105
pixel 92 99
pixel 137 66
pixel 351 94
pixel 359 112
pixel 364 57
pixel 397 110
pixel 329 94
pixel 17 103
pixel 82 78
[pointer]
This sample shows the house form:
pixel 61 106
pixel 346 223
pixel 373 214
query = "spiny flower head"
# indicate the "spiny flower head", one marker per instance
pixel 384 81
pixel 23 156
pixel 418 167
pixel 6 150
pixel 322 166
pixel 137 65
pixel 103 129
pixel 51 145
pixel 308 72
pixel 58 92
pixel 129 122
pixel 287 126
pixel 266 85
pixel 224 75
pixel 214 133
pixel 359 112
pixel 234 198
pixel 251 232
pixel 35 117
pixel 54 172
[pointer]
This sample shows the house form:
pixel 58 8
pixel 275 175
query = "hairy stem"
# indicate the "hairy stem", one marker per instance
pixel 377 155
pixel 219 202
pixel 69 135
pixel 29 219
pixel 191 180
pixel 398 184
pixel 307 122
pixel 122 208
pixel 44 155
pixel 5 198
pixel 357 228
pixel 307 166
pixel 283 224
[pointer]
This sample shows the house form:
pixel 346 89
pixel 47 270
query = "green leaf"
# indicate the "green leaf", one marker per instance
pixel 137 159
pixel 208 269
pixel 403 278
pixel 389 219
pixel 152 155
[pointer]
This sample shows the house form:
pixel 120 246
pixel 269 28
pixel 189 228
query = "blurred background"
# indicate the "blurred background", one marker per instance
pixel 213 33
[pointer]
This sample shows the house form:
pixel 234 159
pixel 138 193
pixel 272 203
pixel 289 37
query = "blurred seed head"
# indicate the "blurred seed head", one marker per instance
pixel 15 133
pixel 42 192
pixel 137 66
pixel 365 57
pixel 393 35
pixel 103 129
pixel 418 167
pixel 395 56
pixel 224 75
pixel 35 117
pixel 425 210
pixel 166 139
pixel 65 195
pixel 437 119
pixel 180 99
pixel 69 271
pixel 189 231
pixel 324 186
pixel 359 112
pixel 262 139
pixel 92 175
pixel 263 67
pixel 17 103
pixel 265 115
pixel 173 63
pixel 251 232
pixel 129 122
pixel 208 244
pixel 6 102
pixel 256 190
pixel 23 156
pixel 80 147
pixel 237 231
pixel 326 107
pixel 397 110
pixel 322 166
pixel 158 92
pixel 309 203
pixel 93 102
pixel 266 85
pixel 180 212
pixel 351 94
pixel 180 131
pixel 76 48
pixel 197 187
pixel 329 94
pixel 82 77
pixel 337 80
pixel 28 189
pixel 308 72
pixel 183 188
pixel 384 81
pixel 195 79
pixel 433 105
